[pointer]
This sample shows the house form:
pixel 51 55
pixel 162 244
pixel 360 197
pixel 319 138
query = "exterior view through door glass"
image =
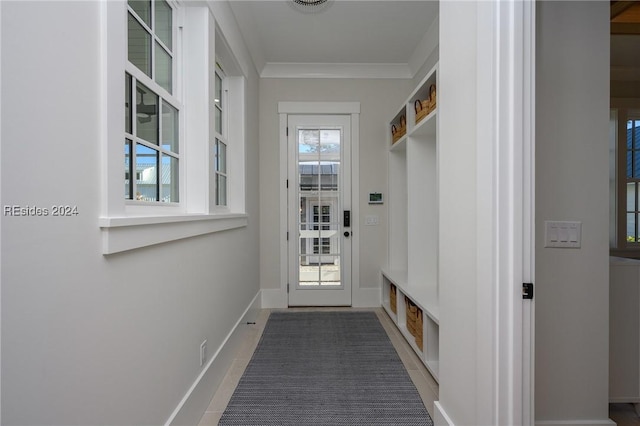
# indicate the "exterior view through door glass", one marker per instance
pixel 319 256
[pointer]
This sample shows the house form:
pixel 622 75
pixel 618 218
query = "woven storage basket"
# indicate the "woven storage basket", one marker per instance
pixel 397 133
pixel 432 98
pixel 422 109
pixel 393 299
pixel 418 335
pixel 411 310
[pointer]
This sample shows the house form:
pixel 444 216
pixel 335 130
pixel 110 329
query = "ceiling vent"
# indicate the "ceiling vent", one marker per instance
pixel 309 6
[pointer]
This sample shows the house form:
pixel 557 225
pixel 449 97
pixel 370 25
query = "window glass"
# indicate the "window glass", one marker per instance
pixel 128 182
pixel 221 172
pixel 146 173
pixel 139 46
pixel 164 69
pixel 170 179
pixel 170 130
pixel 164 23
pixel 127 103
pixel 146 114
pixel 221 190
pixel 142 9
pixel 221 158
pixel 218 104
pixel 631 228
pixel 631 196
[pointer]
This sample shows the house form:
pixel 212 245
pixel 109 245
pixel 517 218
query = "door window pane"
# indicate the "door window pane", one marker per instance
pixel 164 23
pixel 139 46
pixel 330 143
pixel 164 69
pixel 146 114
pixel 146 173
pixel 170 129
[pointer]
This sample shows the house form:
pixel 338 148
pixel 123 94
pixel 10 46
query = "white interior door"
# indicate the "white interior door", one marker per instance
pixel 319 200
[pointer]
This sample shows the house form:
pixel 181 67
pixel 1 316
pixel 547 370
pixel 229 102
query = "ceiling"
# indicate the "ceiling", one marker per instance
pixel 356 32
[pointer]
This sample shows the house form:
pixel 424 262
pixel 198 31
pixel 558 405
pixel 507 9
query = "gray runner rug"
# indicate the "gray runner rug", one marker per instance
pixel 325 368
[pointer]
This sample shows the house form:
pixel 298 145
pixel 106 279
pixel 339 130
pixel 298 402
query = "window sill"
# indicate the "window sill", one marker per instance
pixel 128 233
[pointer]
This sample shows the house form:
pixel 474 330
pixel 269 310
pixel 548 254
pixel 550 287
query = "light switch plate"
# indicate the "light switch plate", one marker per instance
pixel 371 220
pixel 562 234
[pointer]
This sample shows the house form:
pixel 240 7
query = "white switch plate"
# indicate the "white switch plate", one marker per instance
pixel 562 234
pixel 371 220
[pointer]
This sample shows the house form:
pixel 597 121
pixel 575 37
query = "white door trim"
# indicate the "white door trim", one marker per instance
pixel 505 179
pixel 511 41
pixel 360 297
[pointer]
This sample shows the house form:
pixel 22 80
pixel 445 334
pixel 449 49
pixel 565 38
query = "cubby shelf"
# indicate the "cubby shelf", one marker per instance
pixel 412 268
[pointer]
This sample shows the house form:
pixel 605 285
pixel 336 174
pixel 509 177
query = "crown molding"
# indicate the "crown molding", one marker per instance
pixel 335 70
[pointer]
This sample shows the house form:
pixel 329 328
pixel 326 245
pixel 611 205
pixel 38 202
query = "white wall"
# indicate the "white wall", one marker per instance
pixel 572 296
pixel 380 100
pixel 458 266
pixel 87 338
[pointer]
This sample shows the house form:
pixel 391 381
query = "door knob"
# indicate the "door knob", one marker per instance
pixel 346 233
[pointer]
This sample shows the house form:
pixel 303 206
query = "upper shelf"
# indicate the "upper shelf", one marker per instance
pixel 419 112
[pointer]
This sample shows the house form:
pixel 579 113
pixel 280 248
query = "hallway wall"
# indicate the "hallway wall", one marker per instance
pixel 88 338
pixel 572 169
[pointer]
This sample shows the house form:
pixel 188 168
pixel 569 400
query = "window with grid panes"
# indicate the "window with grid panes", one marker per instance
pixel 152 111
pixel 220 145
pixel 632 180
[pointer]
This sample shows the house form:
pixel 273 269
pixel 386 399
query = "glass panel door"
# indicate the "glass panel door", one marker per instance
pixel 316 256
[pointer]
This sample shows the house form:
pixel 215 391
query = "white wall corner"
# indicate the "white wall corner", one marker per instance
pixel 226 21
pixel 274 298
pixel 367 297
pixel 195 402
pixel 427 45
pixel 440 417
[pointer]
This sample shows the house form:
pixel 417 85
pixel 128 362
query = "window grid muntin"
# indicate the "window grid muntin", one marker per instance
pixel 221 173
pixel 156 39
pixel 163 94
pixel 221 179
pixel 161 151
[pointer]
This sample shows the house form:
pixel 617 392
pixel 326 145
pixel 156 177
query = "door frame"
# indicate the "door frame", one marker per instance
pixel 321 108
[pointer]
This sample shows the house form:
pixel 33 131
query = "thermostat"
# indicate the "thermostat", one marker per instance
pixel 375 198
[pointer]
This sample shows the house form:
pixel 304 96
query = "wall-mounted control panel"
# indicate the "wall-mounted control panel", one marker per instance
pixel 562 234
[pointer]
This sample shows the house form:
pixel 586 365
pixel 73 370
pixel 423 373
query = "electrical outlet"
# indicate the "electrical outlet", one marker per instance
pixel 203 353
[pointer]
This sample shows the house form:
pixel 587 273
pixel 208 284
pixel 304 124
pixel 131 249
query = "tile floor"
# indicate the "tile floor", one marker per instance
pixel 426 385
pixel 622 414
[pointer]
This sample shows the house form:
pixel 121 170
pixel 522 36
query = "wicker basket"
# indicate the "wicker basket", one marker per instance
pixel 411 311
pixel 397 132
pixel 393 298
pixel 432 98
pixel 418 335
pixel 422 109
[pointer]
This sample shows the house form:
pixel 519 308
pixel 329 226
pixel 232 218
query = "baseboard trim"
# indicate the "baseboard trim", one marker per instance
pixel 195 402
pixel 440 417
pixel 604 422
